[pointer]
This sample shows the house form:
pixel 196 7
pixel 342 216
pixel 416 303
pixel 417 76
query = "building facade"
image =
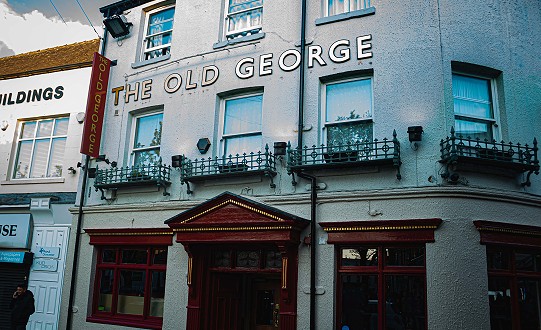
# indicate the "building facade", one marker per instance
pixel 319 164
pixel 42 104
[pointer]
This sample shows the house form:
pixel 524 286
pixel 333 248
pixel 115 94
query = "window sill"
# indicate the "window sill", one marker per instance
pixel 32 181
pixel 151 61
pixel 346 16
pixel 222 44
pixel 138 323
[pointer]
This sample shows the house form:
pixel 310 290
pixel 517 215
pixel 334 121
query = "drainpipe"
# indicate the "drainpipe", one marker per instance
pixel 80 221
pixel 313 184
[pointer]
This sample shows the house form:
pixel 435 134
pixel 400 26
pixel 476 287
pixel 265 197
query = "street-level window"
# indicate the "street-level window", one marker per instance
pixel 242 125
pixel 381 287
pixel 243 17
pixel 147 139
pixel 40 148
pixel 335 7
pixel 348 111
pixel 158 32
pixel 474 107
pixel 130 284
pixel 514 287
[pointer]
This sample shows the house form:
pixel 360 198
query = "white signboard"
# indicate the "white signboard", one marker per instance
pixel 49 265
pixel 47 252
pixel 15 230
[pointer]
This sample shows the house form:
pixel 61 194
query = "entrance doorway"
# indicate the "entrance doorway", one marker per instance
pixel 244 301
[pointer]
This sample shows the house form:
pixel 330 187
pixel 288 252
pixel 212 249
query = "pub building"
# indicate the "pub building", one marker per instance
pixel 312 165
pixel 42 104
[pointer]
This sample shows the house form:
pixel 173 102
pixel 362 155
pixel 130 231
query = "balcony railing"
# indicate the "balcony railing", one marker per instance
pixel 469 154
pixel 117 177
pixel 377 152
pixel 253 163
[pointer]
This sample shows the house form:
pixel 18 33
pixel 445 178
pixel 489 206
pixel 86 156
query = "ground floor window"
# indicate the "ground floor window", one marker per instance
pixel 514 287
pixel 381 287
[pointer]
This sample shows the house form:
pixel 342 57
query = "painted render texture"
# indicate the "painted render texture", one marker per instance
pixel 413 45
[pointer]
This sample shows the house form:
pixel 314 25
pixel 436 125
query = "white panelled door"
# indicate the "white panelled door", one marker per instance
pixel 49 245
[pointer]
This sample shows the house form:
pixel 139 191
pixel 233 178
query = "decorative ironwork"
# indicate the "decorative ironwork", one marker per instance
pixel 377 152
pixel 117 177
pixel 227 166
pixel 466 153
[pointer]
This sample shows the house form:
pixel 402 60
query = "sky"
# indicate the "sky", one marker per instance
pixel 29 25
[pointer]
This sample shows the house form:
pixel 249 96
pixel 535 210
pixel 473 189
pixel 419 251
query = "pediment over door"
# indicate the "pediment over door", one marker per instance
pixel 230 218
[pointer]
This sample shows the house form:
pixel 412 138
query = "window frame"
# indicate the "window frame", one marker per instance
pixel 325 124
pixel 113 317
pixel 494 122
pixel 223 137
pixel 326 10
pixel 230 35
pixel 34 138
pixel 145 35
pixel 133 135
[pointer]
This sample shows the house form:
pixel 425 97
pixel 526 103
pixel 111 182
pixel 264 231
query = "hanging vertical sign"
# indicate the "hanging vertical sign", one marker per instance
pixel 95 105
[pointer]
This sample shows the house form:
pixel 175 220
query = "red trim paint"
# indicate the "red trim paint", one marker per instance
pixel 491 232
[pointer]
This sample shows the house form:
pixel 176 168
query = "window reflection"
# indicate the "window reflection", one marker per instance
pixel 105 300
pixel 360 301
pixel 360 257
pixel 131 290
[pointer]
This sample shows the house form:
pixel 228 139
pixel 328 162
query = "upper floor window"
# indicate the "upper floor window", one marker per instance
pixel 335 7
pixel 242 125
pixel 40 148
pixel 243 17
pixel 147 139
pixel 348 111
pixel 158 31
pixel 474 107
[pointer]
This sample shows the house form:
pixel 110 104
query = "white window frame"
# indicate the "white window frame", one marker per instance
pixel 144 49
pixel 495 120
pixel 132 148
pixel 33 139
pixel 248 30
pixel 363 4
pixel 324 122
pixel 223 137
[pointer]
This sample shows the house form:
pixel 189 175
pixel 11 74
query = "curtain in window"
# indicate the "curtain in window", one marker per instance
pixel 148 135
pixel 243 125
pixel 336 7
pixel 241 17
pixel 159 31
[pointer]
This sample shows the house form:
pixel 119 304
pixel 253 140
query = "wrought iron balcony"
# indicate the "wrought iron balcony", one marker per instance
pixel 144 175
pixel 501 158
pixel 254 163
pixel 377 152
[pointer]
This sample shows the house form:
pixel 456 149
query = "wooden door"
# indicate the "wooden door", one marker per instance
pixel 265 306
pixel 225 306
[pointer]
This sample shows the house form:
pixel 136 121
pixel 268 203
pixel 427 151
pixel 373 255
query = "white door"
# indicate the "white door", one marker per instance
pixel 46 281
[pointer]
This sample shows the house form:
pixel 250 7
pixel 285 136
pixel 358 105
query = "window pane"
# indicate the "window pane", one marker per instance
pixel 405 302
pixel 472 96
pixel 105 300
pixel 530 293
pixel 134 256
pixel 160 256
pixel 57 157
pixel 474 129
pixel 273 259
pixel 336 7
pixel 528 261
pixel 28 129
pixel 61 126
pixel 45 128
pixel 414 256
pixel 342 134
pixel 39 159
pixel 222 259
pixel 148 131
pixel 161 21
pixel 349 100
pixel 248 259
pixel 243 115
pixel 359 257
pixel 499 296
pixel 108 255
pixel 243 144
pixel 147 157
pixel 359 302
pixel 498 259
pixel 157 293
pixel 22 165
pixel 131 291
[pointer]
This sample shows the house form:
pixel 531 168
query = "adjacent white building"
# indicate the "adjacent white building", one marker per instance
pixel 42 105
pixel 353 165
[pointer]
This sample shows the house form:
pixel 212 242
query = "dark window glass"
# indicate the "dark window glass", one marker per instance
pixel 264 307
pixel 108 255
pixel 405 302
pixel 105 300
pixel 529 305
pixel 222 259
pixel 498 259
pixel 248 259
pixel 528 261
pixel 274 259
pixel 157 293
pixel 414 256
pixel 359 302
pixel 160 257
pixel 359 256
pixel 499 296
pixel 133 256
pixel 131 289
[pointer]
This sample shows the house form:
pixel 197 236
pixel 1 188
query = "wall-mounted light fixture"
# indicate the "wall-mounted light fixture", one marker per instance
pixel 4 125
pixel 80 116
pixel 280 148
pixel 415 133
pixel 203 145
pixel 72 170
pixel 117 25
pixel 176 160
pixel 103 158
